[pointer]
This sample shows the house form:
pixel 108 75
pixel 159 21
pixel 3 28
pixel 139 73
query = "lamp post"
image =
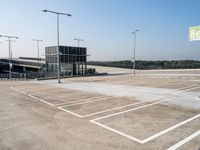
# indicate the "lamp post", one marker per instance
pixel 11 54
pixel 9 49
pixel 134 33
pixel 38 47
pixel 58 53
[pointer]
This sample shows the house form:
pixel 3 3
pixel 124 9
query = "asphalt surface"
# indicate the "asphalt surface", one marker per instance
pixel 160 111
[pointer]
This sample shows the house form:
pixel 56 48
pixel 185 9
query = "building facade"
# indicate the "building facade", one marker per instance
pixel 73 60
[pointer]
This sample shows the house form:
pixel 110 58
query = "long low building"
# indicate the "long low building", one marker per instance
pixel 22 67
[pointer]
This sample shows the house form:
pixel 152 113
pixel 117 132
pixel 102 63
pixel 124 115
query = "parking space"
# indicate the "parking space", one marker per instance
pixel 143 124
pixel 55 96
pixel 147 111
pixel 107 104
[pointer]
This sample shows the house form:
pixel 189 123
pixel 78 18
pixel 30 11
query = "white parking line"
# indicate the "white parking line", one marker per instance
pixel 34 97
pixel 82 100
pixel 183 88
pixel 195 87
pixel 41 100
pixel 179 144
pixel 133 104
pixel 94 121
pixel 80 116
pixel 121 112
pixel 171 128
pixel 69 112
pixel 116 131
pixel 88 115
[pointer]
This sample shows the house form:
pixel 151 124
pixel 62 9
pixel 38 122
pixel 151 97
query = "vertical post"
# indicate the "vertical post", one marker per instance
pixel 58 55
pixel 134 53
pixel 79 57
pixel 134 62
pixel 9 47
pixel 38 51
pixel 11 50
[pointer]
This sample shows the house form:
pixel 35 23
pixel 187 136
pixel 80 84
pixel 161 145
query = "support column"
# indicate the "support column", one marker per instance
pixel 82 69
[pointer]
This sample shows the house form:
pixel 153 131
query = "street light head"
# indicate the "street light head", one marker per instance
pixel 45 10
pixel 69 15
pixel 78 39
pixel 135 31
pixel 37 40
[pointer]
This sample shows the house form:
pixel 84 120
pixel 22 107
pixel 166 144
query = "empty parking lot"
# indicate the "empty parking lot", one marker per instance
pixel 152 110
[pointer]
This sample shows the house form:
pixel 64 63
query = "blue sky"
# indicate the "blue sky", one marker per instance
pixel 105 26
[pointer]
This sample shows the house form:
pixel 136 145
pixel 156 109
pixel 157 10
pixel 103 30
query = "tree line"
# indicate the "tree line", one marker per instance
pixel 143 65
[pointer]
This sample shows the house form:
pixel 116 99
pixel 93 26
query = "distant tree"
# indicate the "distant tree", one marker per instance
pixel 141 64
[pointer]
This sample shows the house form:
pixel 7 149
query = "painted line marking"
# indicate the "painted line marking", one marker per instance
pixel 69 112
pixel 179 144
pixel 75 114
pixel 171 128
pixel 147 139
pixel 33 97
pixel 196 87
pixel 183 88
pixel 195 80
pixel 83 100
pixel 133 104
pixel 87 115
pixel 29 95
pixel 116 131
pixel 41 100
pixel 140 107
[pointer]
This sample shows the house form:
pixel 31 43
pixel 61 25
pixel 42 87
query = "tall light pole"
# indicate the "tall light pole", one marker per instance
pixel 58 42
pixel 11 53
pixel 38 47
pixel 9 48
pixel 134 33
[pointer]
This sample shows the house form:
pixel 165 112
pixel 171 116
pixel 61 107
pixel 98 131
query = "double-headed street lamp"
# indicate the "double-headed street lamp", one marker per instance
pixel 134 33
pixel 9 48
pixel 38 48
pixel 58 42
pixel 79 40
